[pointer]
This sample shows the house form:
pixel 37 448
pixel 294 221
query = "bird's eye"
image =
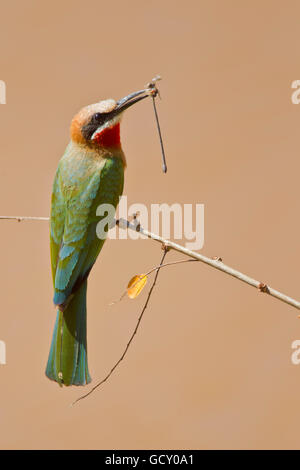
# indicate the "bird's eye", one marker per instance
pixel 97 117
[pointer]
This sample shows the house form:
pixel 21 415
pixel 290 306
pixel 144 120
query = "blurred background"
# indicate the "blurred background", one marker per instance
pixel 211 364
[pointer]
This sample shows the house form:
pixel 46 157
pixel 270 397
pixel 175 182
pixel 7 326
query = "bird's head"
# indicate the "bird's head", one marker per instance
pixel 98 125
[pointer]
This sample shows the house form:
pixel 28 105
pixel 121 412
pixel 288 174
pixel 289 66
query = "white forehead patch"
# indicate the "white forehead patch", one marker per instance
pixel 106 106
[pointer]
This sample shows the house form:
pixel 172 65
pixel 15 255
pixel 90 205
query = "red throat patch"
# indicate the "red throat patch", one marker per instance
pixel 109 137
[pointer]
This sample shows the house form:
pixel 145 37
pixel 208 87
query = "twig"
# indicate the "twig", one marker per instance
pixel 180 261
pixel 19 219
pixel 214 263
pixel 132 336
pixel 153 92
pixel 164 164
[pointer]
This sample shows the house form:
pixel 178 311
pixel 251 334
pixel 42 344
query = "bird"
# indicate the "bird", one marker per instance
pixel 89 174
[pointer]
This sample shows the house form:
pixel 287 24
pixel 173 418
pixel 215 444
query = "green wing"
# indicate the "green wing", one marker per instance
pixel 80 186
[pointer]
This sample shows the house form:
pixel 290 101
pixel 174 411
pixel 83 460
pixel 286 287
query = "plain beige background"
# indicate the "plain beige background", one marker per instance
pixel 211 365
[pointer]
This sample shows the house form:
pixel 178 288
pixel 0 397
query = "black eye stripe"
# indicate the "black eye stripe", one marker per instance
pixel 95 121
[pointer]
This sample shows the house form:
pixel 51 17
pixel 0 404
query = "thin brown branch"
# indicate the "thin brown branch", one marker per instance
pixel 132 336
pixel 20 218
pixel 214 263
pixel 164 163
pixel 167 264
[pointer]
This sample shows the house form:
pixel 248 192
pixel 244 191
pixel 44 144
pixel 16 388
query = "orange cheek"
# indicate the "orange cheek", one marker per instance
pixel 109 137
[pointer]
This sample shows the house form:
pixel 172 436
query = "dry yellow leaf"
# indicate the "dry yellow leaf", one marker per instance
pixel 136 285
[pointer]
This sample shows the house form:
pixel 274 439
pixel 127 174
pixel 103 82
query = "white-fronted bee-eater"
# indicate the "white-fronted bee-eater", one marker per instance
pixel 90 173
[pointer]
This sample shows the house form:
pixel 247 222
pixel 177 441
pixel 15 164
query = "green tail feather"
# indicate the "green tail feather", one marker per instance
pixel 67 362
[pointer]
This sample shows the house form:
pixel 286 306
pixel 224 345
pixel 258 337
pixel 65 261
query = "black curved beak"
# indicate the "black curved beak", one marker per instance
pixel 129 100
